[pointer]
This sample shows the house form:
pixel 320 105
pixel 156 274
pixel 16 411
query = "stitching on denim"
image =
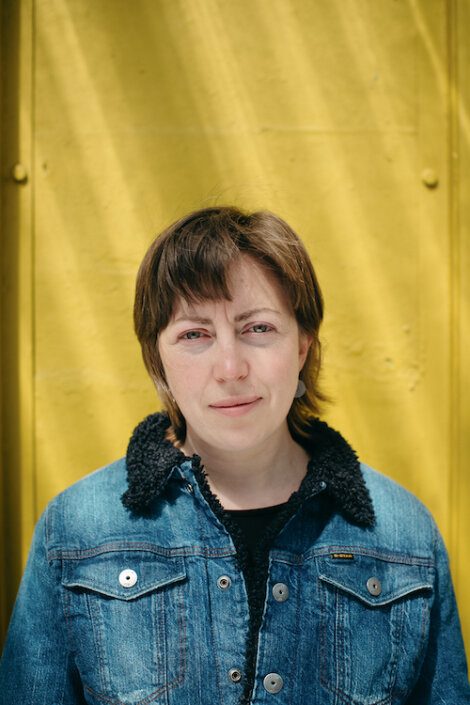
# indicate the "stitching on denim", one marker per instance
pixel 202 535
pixel 323 599
pixel 182 639
pixel 425 620
pixel 385 556
pixel 120 546
pixel 112 701
pixel 350 700
pixel 396 639
pixel 376 603
pixel 312 553
pixel 159 645
pixel 346 646
pixel 298 624
pixel 95 617
pixel 66 601
pixel 212 632
pixel 423 633
pixel 337 642
pixel 277 555
pixel 97 586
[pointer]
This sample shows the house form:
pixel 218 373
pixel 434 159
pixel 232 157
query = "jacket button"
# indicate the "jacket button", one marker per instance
pixel 374 586
pixel 224 582
pixel 128 578
pixel 280 592
pixel 235 675
pixel 273 683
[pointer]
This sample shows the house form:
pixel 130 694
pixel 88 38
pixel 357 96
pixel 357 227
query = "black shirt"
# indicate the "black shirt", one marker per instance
pixel 253 523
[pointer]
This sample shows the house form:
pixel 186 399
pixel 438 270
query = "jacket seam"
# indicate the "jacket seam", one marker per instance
pixel 82 554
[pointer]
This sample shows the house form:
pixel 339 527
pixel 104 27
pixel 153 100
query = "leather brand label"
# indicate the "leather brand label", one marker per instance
pixel 342 556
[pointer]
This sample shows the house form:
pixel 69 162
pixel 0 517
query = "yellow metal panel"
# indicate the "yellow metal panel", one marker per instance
pixel 17 340
pixel 337 115
pixel 460 319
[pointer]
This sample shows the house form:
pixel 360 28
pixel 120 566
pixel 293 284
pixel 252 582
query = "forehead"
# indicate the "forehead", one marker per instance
pixel 250 286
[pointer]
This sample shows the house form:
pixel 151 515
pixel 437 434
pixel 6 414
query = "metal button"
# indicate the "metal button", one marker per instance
pixel 273 683
pixel 189 487
pixel 128 578
pixel 322 485
pixel 224 582
pixel 235 675
pixel 374 586
pixel 280 592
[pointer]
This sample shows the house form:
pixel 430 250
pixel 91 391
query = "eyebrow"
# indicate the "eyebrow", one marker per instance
pixel 241 316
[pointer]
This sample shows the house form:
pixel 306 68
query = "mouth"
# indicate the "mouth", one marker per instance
pixel 235 406
pixel 234 401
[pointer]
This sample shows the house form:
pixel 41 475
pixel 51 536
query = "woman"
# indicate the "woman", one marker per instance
pixel 240 553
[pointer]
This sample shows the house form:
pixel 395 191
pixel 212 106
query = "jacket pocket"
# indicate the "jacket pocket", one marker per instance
pixel 126 614
pixel 373 624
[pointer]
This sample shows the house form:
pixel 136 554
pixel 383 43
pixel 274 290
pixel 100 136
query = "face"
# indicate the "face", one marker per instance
pixel 233 366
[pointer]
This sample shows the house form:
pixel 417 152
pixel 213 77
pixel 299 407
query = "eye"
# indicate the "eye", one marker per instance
pixel 192 335
pixel 260 328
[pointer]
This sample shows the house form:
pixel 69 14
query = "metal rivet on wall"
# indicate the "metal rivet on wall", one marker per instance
pixel 429 178
pixel 19 174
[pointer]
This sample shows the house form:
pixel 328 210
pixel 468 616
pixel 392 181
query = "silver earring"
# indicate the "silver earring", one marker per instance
pixel 301 389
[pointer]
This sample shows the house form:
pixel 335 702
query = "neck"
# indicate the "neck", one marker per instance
pixel 255 477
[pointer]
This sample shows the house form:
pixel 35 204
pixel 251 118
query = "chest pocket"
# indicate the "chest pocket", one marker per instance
pixel 126 612
pixel 374 624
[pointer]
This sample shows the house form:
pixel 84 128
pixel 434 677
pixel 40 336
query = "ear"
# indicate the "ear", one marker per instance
pixel 305 342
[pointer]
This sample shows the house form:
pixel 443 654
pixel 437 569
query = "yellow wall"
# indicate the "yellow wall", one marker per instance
pixel 346 117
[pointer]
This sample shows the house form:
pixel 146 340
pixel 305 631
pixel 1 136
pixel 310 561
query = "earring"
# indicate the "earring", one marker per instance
pixel 301 389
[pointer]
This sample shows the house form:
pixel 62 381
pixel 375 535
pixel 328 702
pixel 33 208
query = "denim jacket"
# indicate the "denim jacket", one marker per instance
pixel 135 592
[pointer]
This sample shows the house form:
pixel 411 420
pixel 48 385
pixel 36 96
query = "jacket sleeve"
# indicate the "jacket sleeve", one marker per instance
pixel 443 676
pixel 37 666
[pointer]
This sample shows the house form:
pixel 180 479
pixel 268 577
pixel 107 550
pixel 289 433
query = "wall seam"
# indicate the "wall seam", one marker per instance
pixel 454 281
pixel 33 260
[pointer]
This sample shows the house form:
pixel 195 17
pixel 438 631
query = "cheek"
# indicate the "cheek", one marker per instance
pixel 177 375
pixel 183 374
pixel 168 363
pixel 282 370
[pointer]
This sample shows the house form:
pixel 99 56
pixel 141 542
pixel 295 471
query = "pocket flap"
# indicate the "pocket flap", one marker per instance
pixel 372 580
pixel 123 574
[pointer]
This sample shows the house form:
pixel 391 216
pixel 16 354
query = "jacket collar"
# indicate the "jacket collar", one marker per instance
pixel 151 458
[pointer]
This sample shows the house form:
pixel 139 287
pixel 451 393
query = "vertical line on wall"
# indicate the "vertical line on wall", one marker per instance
pixel 17 295
pixel 3 603
pixel 25 271
pixel 459 137
pixel 33 261
pixel 454 279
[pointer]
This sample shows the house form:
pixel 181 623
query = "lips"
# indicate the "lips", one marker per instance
pixel 231 402
pixel 235 406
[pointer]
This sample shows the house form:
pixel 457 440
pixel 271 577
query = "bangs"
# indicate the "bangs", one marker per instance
pixel 195 267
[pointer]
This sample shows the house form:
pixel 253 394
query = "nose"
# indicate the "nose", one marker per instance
pixel 230 363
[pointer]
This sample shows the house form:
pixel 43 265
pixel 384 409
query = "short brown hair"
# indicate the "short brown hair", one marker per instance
pixel 191 260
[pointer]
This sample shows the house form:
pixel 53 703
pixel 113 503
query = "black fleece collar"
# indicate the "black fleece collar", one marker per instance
pixel 151 458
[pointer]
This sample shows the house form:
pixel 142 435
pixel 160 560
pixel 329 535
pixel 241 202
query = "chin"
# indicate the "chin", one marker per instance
pixel 239 440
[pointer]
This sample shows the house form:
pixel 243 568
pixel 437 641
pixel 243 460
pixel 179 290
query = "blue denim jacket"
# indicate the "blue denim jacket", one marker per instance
pixel 119 606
